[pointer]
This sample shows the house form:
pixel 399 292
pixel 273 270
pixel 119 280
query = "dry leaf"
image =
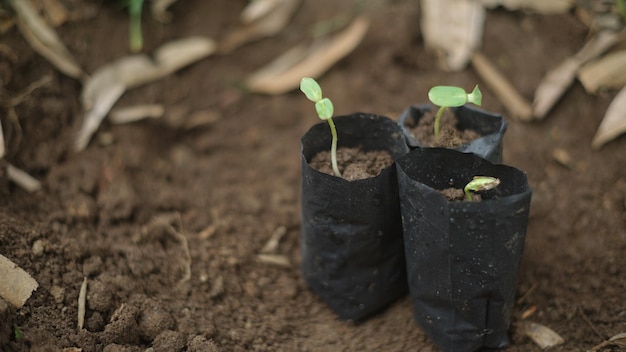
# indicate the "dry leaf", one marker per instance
pixel 82 299
pixel 159 10
pixel 109 82
pixel 44 39
pixel 540 6
pixel 2 148
pixel 618 340
pixel 257 9
pixel 16 285
pixel 135 113
pixel 519 107
pixel 614 122
pixel 541 335
pixel 453 28
pixel 268 25
pixel 607 72
pixel 55 12
pixel 558 80
pixel 284 73
pixel 22 179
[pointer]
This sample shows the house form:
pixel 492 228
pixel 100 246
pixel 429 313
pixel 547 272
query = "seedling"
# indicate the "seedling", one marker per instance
pixel 480 183
pixel 135 37
pixel 447 97
pixel 325 109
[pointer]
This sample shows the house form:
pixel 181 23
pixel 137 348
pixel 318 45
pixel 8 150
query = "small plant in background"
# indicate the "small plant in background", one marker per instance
pixel 478 184
pixel 134 34
pixel 448 97
pixel 621 8
pixel 325 109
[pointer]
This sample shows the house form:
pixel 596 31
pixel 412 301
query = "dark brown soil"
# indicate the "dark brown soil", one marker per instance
pixel 449 135
pixel 135 214
pixel 353 163
pixel 458 195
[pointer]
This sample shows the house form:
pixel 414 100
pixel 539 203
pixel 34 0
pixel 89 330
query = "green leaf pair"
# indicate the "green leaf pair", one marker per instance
pixel 313 92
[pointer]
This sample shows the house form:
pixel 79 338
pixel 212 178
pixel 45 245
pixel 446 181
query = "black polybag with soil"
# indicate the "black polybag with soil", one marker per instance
pixel 462 257
pixel 352 243
pixel 490 127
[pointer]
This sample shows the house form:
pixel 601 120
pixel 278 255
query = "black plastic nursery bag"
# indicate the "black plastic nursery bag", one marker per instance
pixel 491 127
pixel 462 257
pixel 352 244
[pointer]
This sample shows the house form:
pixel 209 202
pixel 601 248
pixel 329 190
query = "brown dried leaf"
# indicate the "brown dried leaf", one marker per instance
pixel 541 335
pixel 55 12
pixel 453 28
pixel 285 72
pixel 614 122
pixel 16 285
pixel 266 26
pixel 44 39
pixel 558 80
pixel 136 113
pixel 618 340
pixel 109 82
pixel 608 72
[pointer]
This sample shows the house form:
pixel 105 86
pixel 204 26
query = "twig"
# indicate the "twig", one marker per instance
pixel 22 179
pixel 528 293
pixel 272 243
pixel 593 327
pixel 21 97
pixel 517 105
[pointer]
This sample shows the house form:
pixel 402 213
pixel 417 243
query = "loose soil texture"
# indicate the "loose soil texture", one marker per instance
pixel 170 227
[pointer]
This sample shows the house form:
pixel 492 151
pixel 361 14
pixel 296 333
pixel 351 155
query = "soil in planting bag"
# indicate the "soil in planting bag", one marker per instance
pixel 489 126
pixel 352 243
pixel 462 257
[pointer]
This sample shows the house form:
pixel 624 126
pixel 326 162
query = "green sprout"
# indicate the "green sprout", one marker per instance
pixel 621 7
pixel 447 96
pixel 480 183
pixel 135 37
pixel 16 332
pixel 325 109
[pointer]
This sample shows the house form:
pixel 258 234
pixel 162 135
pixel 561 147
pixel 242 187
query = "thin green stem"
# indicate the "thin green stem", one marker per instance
pixel 333 147
pixel 437 120
pixel 135 36
pixel 468 194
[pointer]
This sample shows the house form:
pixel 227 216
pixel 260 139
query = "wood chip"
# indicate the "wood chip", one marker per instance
pixel 44 40
pixel 614 122
pixel 517 105
pixel 274 259
pixel 285 72
pixel 454 29
pixel 541 335
pixel 17 285
pixel 608 72
pixel 562 157
pixel 82 298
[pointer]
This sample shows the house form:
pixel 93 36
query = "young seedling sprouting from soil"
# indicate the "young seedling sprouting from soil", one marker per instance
pixel 448 97
pixel 135 36
pixel 480 183
pixel 325 110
